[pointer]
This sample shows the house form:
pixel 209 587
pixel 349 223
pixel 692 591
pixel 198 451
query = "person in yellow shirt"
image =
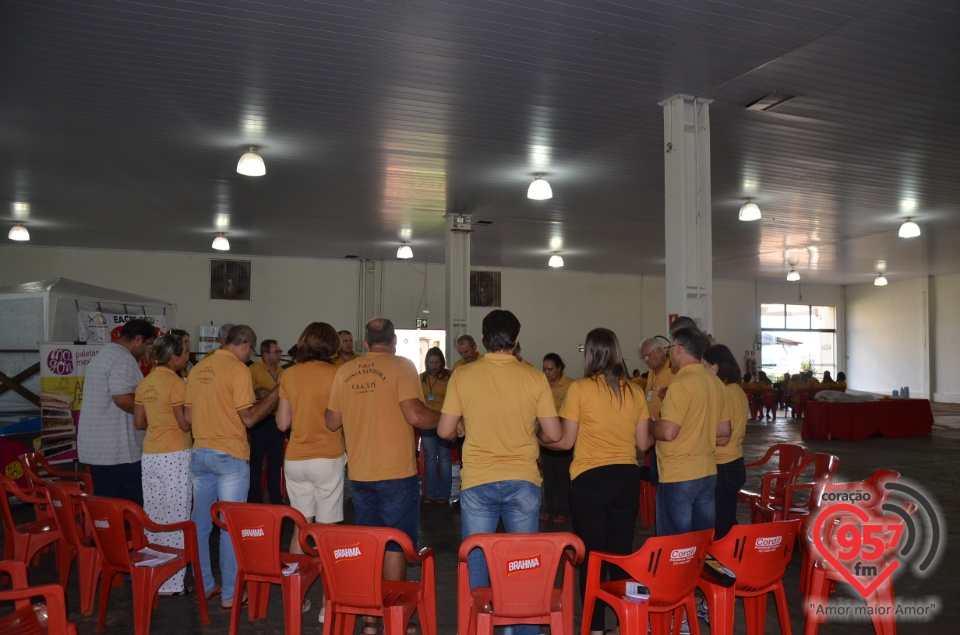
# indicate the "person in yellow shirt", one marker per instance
pixel 346 353
pixel 694 421
pixel 731 473
pixel 606 421
pixel 266 441
pixel 467 348
pixel 505 407
pixel 438 471
pixel 158 409
pixel 556 463
pixel 842 381
pixel 377 400
pixel 220 406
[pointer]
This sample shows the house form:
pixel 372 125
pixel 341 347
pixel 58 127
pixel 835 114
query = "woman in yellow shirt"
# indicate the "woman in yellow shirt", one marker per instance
pixel 438 473
pixel 605 420
pixel 165 465
pixel 556 463
pixel 731 473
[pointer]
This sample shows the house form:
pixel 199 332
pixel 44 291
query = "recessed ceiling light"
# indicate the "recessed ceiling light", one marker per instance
pixel 770 101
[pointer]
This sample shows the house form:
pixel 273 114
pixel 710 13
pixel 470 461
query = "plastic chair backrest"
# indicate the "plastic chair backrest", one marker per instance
pixel 769 396
pixel 66 510
pixel 669 565
pixel 523 568
pixel 789 456
pixel 109 517
pixel 35 496
pixel 758 554
pixel 352 561
pixel 255 530
pixel 38 471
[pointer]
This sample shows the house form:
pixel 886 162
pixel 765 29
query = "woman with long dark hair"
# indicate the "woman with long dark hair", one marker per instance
pixel 438 473
pixel 605 421
pixel 556 463
pixel 731 473
pixel 158 409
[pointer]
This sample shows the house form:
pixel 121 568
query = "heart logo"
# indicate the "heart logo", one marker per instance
pixel 880 569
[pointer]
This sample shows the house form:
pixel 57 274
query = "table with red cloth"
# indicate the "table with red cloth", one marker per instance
pixel 856 420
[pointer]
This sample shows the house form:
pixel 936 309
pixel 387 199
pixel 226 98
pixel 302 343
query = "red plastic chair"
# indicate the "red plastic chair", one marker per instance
pixel 25 619
pixel 117 556
pixel 873 494
pixel 758 555
pixel 794 506
pixel 39 470
pixel 75 542
pixel 255 532
pixel 774 483
pixel 523 572
pixel 353 581
pixel 770 398
pixel 824 576
pixel 800 403
pixel 669 566
pixel 23 542
pixel 753 398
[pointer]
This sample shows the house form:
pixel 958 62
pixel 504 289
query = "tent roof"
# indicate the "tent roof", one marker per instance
pixel 66 287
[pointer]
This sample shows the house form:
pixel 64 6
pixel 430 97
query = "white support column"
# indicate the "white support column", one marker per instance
pixel 687 208
pixel 371 294
pixel 457 280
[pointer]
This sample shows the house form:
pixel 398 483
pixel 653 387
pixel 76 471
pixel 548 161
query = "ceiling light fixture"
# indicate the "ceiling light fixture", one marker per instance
pixel 793 276
pixel 556 260
pixel 749 211
pixel 539 189
pixel 220 243
pixel 881 280
pixel 19 233
pixel 909 229
pixel 404 252
pixel 251 163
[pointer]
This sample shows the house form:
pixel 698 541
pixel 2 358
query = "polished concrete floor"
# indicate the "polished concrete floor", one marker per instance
pixel 928 462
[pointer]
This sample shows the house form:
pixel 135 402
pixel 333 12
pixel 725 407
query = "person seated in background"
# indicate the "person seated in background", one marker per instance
pixel 763 381
pixel 841 381
pixel 827 381
pixel 811 381
pixel 748 383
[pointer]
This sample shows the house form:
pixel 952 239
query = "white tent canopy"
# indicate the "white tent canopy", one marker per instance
pixel 47 310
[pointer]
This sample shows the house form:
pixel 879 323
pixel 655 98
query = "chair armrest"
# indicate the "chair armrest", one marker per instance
pixel 424 554
pixel 792 489
pixel 17 572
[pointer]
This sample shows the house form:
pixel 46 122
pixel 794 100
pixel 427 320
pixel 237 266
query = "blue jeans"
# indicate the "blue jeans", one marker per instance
pixel 482 507
pixel 389 503
pixel 686 506
pixel 217 476
pixel 436 449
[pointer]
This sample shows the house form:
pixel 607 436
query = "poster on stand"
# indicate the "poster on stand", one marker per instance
pixel 62 370
pixel 97 327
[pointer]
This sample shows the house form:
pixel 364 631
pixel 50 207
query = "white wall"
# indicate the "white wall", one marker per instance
pixel 887 337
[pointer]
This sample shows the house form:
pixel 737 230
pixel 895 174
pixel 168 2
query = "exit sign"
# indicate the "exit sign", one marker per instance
pixel 422 323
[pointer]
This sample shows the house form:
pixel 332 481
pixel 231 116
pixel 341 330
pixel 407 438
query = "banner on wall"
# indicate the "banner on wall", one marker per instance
pixel 62 370
pixel 97 327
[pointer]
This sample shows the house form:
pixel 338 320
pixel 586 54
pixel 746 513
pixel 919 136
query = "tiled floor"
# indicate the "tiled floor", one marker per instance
pixel 929 462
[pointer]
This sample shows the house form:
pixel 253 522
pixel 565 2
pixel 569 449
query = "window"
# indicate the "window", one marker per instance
pixel 798 337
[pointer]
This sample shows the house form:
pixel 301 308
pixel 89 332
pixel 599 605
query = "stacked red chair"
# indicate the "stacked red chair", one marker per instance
pixel 25 618
pixel 799 497
pixel 774 482
pixel 76 543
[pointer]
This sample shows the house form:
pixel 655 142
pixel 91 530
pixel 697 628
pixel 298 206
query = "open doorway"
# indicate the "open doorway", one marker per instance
pixel 414 344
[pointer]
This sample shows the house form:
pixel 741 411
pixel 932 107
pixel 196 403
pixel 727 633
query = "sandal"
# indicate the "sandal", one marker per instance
pixel 214 593
pixel 177 594
pixel 559 519
pixel 228 608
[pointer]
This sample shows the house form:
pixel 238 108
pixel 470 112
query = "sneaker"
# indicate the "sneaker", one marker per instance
pixel 306 606
pixel 703 612
pixel 684 627
pixel 322 612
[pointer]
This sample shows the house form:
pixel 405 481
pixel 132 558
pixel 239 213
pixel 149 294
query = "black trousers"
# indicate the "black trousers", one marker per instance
pixel 605 501
pixel 118 481
pixel 556 480
pixel 266 442
pixel 730 478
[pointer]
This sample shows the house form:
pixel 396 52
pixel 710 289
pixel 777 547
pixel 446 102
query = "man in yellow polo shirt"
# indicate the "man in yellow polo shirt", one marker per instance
pixel 377 400
pixel 220 406
pixel 467 347
pixel 500 401
pixel 693 422
pixel 266 440
pixel 346 352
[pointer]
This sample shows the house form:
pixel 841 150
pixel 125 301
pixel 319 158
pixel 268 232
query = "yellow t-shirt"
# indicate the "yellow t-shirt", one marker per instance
pixel 462 362
pixel 656 381
pixel 641 381
pixel 158 393
pixel 738 409
pixel 434 391
pixel 697 403
pixel 307 387
pixel 367 392
pixel 607 428
pixel 263 377
pixel 499 399
pixel 217 388
pixel 560 390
